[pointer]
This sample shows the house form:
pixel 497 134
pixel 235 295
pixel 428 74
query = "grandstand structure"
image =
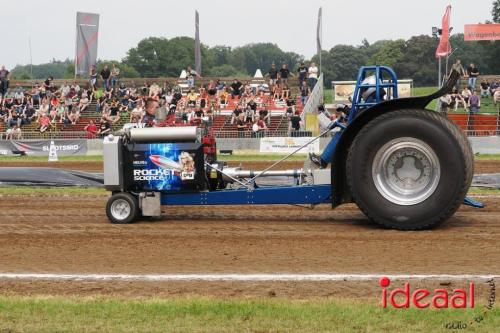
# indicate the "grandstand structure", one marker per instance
pixel 474 125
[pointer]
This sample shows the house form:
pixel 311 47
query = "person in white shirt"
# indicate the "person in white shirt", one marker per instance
pixel 313 75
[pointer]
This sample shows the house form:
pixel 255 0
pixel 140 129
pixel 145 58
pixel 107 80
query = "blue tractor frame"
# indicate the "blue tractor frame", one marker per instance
pixel 362 111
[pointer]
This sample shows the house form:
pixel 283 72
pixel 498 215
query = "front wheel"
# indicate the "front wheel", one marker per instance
pixel 409 169
pixel 122 208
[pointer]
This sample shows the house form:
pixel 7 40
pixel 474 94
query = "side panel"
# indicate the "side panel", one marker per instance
pixel 113 170
pixel 176 167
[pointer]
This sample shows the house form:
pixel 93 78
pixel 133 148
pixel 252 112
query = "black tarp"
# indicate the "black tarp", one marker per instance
pixel 48 177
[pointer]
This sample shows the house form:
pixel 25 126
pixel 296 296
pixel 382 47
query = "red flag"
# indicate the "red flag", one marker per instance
pixel 444 47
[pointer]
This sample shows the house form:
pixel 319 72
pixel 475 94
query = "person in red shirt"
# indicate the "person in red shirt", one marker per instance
pixel 91 130
pixel 44 122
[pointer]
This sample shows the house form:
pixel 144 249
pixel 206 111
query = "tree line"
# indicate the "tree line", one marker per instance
pixel 413 58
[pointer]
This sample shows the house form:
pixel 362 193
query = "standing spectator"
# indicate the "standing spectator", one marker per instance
pixel 48 85
pixel 236 88
pixel 191 74
pixel 91 130
pixel 241 125
pixel 313 75
pixel 93 77
pixel 273 75
pixel 149 118
pixel 472 73
pixel 474 102
pixel 295 122
pixel 302 73
pixel 284 74
pixel 115 76
pixel 105 76
pixel 304 93
pixel 457 67
pixel 4 81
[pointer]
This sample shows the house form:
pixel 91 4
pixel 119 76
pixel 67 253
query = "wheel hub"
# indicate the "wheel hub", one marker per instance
pixel 120 209
pixel 406 171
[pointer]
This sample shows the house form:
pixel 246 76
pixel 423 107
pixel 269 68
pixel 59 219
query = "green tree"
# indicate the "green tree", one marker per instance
pixel 341 63
pixel 495 11
pixel 390 53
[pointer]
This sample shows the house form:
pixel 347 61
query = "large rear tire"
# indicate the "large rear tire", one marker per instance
pixel 122 208
pixel 409 169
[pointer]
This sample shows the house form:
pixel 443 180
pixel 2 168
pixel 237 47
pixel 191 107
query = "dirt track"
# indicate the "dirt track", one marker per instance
pixel 70 234
pixel 483 166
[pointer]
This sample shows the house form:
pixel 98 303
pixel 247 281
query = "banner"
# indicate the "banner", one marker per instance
pixel 444 47
pixel 481 32
pixel 41 147
pixel 197 45
pixel 288 145
pixel 87 29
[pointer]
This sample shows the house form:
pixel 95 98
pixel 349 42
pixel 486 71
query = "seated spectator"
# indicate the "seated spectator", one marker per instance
pixel 104 127
pixel 223 95
pixel 15 116
pixel 137 114
pixel 29 114
pixel 485 88
pixel 91 130
pixel 493 87
pixel 249 115
pixel 457 98
pixel 13 133
pixel 496 96
pixel 44 123
pixel 154 91
pixel 285 93
pixel 446 102
pixel 277 92
pixel 192 96
pixel 236 90
pixel 74 115
pixel 466 94
pixel 236 113
pixel 84 103
pixel 18 92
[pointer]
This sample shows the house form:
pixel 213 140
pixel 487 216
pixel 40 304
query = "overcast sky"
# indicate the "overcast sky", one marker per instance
pixel 290 24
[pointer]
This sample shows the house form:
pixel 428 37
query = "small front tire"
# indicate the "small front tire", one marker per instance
pixel 122 208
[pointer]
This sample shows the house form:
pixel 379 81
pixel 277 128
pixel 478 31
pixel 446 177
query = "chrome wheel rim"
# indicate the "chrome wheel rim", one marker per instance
pixel 120 209
pixel 406 171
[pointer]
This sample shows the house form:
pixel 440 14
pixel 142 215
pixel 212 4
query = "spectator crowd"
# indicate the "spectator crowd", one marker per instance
pixel 151 104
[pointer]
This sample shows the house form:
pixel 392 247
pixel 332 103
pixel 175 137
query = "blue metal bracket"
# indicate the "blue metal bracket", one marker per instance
pixel 272 195
pixel 471 202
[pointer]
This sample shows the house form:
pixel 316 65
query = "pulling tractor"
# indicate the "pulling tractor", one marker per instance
pixel 406 167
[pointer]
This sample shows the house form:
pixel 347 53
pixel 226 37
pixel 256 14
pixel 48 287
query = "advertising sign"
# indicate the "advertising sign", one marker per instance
pixel 166 166
pixel 63 147
pixel 482 32
pixel 288 145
